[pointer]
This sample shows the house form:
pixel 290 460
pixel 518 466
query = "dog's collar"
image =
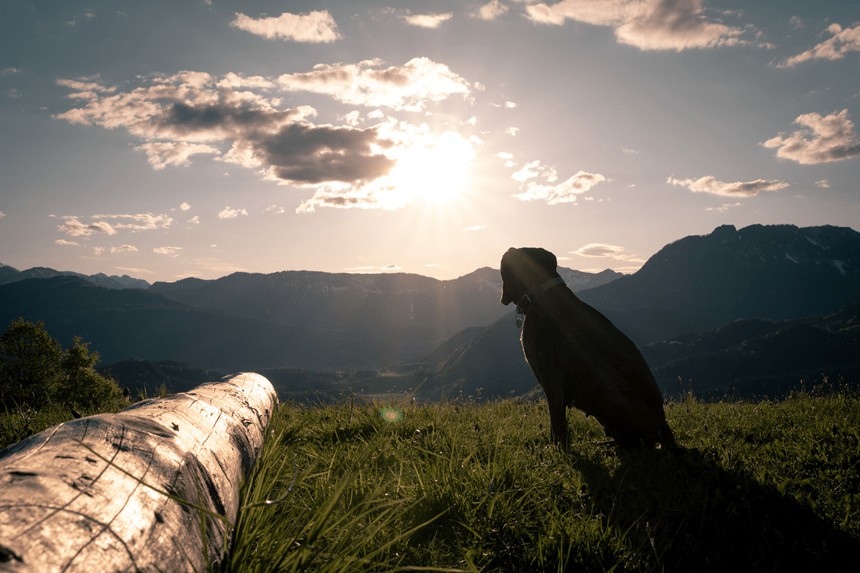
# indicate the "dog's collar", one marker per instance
pixel 532 297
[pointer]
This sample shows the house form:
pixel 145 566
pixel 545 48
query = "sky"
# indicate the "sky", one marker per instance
pixel 168 139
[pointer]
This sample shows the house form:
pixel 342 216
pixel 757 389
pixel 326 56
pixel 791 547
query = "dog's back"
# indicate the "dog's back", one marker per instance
pixel 604 373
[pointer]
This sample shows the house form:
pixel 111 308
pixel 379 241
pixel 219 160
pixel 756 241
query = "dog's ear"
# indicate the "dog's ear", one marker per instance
pixel 507 278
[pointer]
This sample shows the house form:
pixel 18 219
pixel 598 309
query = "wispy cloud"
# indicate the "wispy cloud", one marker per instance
pixel 427 20
pixel 644 24
pixel 710 184
pixel 842 41
pixel 230 213
pixel 66 243
pixel 167 251
pixel 112 224
pixel 73 227
pixel 603 250
pixel 820 139
pixel 408 87
pixel 115 250
pixel 161 154
pixel 539 182
pixel 314 27
pixel 491 10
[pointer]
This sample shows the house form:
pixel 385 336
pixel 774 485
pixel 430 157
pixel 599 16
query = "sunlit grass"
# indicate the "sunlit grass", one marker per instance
pixel 479 488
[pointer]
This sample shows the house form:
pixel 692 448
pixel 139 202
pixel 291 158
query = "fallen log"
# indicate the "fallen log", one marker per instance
pixel 152 488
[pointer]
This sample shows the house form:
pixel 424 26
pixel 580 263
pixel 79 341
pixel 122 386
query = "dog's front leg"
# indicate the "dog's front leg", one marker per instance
pixel 557 417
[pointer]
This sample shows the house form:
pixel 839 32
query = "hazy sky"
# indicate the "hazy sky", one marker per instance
pixel 166 139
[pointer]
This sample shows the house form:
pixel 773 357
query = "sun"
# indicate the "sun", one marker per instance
pixel 434 168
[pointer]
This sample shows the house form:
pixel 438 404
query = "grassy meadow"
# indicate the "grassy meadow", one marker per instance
pixel 763 486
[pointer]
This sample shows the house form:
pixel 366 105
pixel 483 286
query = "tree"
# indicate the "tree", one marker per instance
pixel 29 365
pixel 80 386
pixel 35 371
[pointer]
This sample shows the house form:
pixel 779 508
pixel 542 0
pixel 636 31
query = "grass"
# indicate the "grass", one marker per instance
pixel 477 487
pixel 761 486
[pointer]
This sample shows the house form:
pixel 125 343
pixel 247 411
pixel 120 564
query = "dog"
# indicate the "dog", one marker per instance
pixel 579 357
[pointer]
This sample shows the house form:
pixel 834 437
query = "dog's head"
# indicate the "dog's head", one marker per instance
pixel 524 269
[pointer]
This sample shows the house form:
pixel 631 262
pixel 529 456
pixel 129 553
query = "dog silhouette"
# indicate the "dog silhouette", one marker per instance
pixel 579 357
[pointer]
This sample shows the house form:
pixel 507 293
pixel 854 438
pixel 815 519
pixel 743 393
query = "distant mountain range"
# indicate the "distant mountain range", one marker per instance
pixel 251 321
pixel 454 336
pixel 10 275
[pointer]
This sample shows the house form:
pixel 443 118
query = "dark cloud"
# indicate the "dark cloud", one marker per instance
pixel 311 154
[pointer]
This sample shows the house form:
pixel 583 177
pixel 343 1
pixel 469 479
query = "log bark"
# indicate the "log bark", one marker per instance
pixel 152 488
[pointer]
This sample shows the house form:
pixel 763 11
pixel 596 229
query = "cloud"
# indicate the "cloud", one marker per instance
pixel 821 139
pixel 230 213
pixel 160 154
pixel 359 197
pixel 184 206
pixel 645 24
pixel 137 222
pixel 115 250
pixel 111 224
pixel 314 27
pixel 475 228
pixel 491 10
pixel 724 207
pixel 319 154
pixel 709 184
pixel 598 250
pixel 65 243
pixel 842 41
pixel 428 20
pixel 236 119
pixel 168 251
pixel 408 87
pixel 539 183
pixel 276 209
pixel 195 220
pixel 73 227
pixel 822 184
pixel 603 250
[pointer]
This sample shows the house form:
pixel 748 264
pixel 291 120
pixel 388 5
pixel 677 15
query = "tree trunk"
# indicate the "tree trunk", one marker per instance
pixel 152 488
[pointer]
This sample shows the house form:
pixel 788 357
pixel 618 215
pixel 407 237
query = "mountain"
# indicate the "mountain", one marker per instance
pixel 367 319
pixel 702 282
pixel 122 324
pixel 747 282
pixel 253 321
pixel 10 274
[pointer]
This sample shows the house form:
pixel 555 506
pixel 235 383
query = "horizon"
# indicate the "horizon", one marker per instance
pixel 166 141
